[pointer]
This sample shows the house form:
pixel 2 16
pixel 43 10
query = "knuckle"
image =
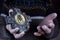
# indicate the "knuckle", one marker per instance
pixel 38 27
pixel 11 31
pixel 16 37
pixel 51 25
pixel 49 31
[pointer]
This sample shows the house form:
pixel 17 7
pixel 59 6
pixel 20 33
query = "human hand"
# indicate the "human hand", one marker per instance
pixel 13 31
pixel 46 25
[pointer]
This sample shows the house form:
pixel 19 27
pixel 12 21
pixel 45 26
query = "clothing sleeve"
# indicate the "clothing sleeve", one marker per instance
pixel 4 34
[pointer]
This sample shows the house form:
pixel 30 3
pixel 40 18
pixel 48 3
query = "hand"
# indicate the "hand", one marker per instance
pixel 46 25
pixel 13 31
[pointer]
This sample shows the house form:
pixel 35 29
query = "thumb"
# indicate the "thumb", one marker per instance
pixel 14 30
pixel 51 16
pixel 19 35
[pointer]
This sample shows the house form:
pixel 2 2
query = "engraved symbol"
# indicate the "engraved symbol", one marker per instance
pixel 20 19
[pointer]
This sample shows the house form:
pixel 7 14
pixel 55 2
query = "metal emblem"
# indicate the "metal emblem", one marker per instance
pixel 17 19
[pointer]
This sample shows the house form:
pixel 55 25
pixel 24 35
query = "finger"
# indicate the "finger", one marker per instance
pixel 8 27
pixel 14 30
pixel 19 35
pixel 28 27
pixel 40 30
pixel 46 29
pixel 51 25
pixel 51 16
pixel 37 34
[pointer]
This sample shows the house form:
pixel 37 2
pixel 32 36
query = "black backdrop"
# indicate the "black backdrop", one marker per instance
pixel 6 5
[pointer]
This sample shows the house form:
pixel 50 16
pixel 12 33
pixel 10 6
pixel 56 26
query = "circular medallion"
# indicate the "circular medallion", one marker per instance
pixel 20 19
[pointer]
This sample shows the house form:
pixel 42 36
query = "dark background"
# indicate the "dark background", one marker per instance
pixel 54 6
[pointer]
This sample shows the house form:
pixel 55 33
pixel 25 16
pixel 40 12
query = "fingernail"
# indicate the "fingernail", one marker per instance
pixel 44 27
pixel 38 27
pixel 51 25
